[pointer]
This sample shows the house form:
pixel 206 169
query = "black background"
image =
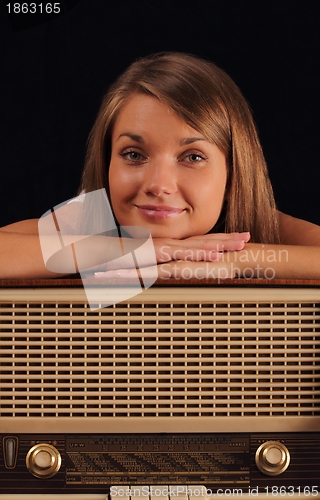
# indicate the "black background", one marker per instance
pixel 55 72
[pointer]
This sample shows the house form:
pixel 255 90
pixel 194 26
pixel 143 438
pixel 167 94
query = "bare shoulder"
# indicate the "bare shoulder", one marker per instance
pixel 295 231
pixel 29 226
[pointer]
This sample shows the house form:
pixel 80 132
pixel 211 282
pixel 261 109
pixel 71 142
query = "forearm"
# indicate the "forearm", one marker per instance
pixel 21 257
pixel 275 261
pixel 254 261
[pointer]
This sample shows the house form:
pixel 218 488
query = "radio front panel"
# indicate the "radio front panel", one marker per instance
pixel 213 386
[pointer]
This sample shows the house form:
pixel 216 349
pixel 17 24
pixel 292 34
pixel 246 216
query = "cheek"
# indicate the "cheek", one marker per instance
pixel 114 183
pixel 211 192
pixel 119 177
pixel 122 185
pixel 211 199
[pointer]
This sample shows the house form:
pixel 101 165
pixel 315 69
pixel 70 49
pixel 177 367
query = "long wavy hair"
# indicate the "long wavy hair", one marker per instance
pixel 208 100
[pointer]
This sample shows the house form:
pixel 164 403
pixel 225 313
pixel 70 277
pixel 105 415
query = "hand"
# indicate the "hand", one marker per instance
pixel 208 247
pixel 177 270
pixel 205 248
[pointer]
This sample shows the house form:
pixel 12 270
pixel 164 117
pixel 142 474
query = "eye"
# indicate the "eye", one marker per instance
pixel 194 158
pixel 132 156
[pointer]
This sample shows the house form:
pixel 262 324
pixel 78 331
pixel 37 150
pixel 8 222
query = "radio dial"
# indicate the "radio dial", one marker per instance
pixel 43 460
pixel 272 458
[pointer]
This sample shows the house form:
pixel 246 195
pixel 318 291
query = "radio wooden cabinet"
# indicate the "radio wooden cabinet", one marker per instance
pixel 187 384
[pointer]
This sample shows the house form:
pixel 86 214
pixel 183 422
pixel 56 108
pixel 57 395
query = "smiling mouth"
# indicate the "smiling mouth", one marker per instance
pixel 159 212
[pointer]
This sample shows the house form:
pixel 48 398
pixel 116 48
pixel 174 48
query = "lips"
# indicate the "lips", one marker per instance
pixel 159 212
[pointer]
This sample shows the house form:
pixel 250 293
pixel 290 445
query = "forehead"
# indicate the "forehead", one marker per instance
pixel 147 114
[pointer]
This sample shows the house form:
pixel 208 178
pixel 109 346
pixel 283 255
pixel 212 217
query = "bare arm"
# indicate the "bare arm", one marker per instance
pixel 23 227
pixel 297 257
pixel 20 252
pixel 295 231
pixel 21 255
pixel 255 261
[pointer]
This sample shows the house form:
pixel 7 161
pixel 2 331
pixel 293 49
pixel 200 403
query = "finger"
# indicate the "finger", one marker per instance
pixel 245 236
pixel 197 251
pixel 116 273
pixel 143 272
pixel 218 245
pixel 198 270
pixel 187 254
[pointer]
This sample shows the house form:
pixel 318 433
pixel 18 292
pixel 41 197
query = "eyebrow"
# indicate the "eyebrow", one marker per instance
pixel 190 140
pixel 134 137
pixel 139 138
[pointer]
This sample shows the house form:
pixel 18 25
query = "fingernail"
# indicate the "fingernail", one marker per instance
pixel 216 256
pixel 246 236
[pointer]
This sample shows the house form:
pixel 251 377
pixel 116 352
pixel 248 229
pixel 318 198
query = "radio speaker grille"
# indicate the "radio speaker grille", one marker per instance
pixel 160 356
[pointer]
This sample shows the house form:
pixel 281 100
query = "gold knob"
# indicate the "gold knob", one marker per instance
pixel 43 460
pixel 272 458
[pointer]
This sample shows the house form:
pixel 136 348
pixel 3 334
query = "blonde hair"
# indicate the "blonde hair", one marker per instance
pixel 207 99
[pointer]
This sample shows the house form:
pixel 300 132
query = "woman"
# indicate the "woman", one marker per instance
pixel 176 148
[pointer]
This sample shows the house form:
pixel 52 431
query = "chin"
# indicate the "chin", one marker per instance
pixel 177 234
pixel 166 232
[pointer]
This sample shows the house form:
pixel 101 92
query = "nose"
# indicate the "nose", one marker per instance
pixel 160 178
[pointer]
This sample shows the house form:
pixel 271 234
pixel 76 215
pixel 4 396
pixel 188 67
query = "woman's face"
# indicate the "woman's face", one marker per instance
pixel 164 175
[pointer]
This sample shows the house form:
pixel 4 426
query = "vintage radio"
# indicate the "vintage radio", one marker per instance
pixel 191 390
